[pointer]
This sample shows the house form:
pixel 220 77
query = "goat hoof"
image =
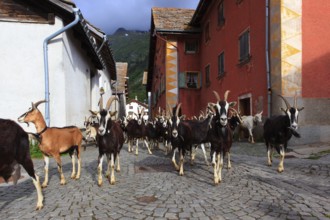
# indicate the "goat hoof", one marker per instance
pixel 39 207
pixel 43 185
pixel 99 184
pixel 280 170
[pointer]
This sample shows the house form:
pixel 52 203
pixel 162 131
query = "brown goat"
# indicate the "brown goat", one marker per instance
pixel 54 141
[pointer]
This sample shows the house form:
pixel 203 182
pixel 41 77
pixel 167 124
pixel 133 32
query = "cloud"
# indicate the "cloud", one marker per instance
pixel 109 15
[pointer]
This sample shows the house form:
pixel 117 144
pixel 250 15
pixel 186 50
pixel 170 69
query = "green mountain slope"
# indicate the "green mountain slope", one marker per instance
pixel 132 47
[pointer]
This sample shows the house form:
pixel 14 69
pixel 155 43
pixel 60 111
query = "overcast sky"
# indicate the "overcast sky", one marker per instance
pixel 109 15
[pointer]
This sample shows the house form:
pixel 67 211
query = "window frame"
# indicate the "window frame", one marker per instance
pixel 244 47
pixel 183 83
pixel 207 36
pixel 221 14
pixel 191 43
pixel 221 64
pixel 207 70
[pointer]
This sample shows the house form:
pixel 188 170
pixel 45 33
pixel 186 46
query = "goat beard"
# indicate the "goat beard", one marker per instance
pixel 294 132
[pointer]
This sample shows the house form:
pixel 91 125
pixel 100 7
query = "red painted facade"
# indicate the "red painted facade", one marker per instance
pixel 316 49
pixel 247 80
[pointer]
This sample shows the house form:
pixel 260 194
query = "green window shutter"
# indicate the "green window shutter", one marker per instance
pixel 182 80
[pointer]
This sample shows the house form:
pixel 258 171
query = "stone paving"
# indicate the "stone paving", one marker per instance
pixel 148 187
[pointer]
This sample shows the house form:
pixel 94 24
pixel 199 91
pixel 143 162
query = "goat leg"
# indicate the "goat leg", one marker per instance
pixel 46 165
pixel 205 157
pixel 215 168
pixel 181 163
pixel 73 174
pixel 118 163
pixel 59 168
pixel 112 164
pixel 146 143
pixel 37 185
pixel 280 168
pixel 99 171
pixel 174 160
pixel 220 158
pixel 228 160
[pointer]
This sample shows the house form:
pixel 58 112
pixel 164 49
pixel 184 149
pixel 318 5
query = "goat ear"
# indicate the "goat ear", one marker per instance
pixel 261 112
pixel 93 112
pixel 232 104
pixel 112 113
pixel 300 109
pixel 283 110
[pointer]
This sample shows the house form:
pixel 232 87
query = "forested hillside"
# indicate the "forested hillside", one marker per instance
pixel 132 47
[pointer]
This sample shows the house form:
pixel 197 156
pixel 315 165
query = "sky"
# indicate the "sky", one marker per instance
pixel 109 15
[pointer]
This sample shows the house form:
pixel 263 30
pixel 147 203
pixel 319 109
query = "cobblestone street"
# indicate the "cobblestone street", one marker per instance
pixel 148 187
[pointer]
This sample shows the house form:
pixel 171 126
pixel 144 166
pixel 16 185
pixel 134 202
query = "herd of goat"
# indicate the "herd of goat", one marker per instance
pixel 215 127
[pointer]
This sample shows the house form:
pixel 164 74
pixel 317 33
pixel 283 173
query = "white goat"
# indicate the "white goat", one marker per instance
pixel 249 123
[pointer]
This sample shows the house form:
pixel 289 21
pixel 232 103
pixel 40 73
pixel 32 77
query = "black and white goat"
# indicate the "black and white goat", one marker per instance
pixel 15 150
pixel 279 129
pixel 220 136
pixel 136 129
pixel 110 140
pixel 185 134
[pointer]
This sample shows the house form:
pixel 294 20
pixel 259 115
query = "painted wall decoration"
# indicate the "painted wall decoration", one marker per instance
pixel 171 73
pixel 286 46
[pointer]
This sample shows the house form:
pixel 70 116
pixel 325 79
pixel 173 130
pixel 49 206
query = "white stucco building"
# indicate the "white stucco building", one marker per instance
pixel 79 61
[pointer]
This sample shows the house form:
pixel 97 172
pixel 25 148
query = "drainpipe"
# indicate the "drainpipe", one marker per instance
pixel 103 42
pixel 46 41
pixel 269 89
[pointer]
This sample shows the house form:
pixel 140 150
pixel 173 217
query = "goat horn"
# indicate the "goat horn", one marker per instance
pixel 35 105
pixel 178 109
pixel 169 110
pixel 295 101
pixel 217 96
pixel 288 106
pixel 238 115
pixel 226 95
pixel 110 100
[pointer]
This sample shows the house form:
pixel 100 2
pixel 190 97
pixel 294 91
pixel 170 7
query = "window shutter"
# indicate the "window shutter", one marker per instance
pixel 182 80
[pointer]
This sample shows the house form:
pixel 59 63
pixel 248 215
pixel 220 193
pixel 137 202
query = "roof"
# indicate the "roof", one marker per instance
pixel 202 7
pixel 172 19
pixel 167 21
pixel 91 37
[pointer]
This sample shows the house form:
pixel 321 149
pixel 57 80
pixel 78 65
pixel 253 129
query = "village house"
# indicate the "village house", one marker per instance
pixel 49 51
pixel 256 49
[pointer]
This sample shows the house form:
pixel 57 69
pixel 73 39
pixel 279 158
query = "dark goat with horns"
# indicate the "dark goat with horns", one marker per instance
pixel 279 129
pixel 110 140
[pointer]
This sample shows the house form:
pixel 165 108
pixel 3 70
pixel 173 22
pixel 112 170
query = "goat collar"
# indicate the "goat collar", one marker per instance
pixel 41 132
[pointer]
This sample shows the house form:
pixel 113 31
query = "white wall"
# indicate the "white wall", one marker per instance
pixel 22 66
pixel 22 74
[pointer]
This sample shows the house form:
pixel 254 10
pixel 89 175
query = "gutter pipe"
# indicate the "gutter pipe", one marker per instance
pixel 45 46
pixel 269 89
pixel 103 42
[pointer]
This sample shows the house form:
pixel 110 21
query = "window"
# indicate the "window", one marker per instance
pixel 221 64
pixel 221 15
pixel 207 75
pixel 244 47
pixel 191 46
pixel 207 32
pixel 189 80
